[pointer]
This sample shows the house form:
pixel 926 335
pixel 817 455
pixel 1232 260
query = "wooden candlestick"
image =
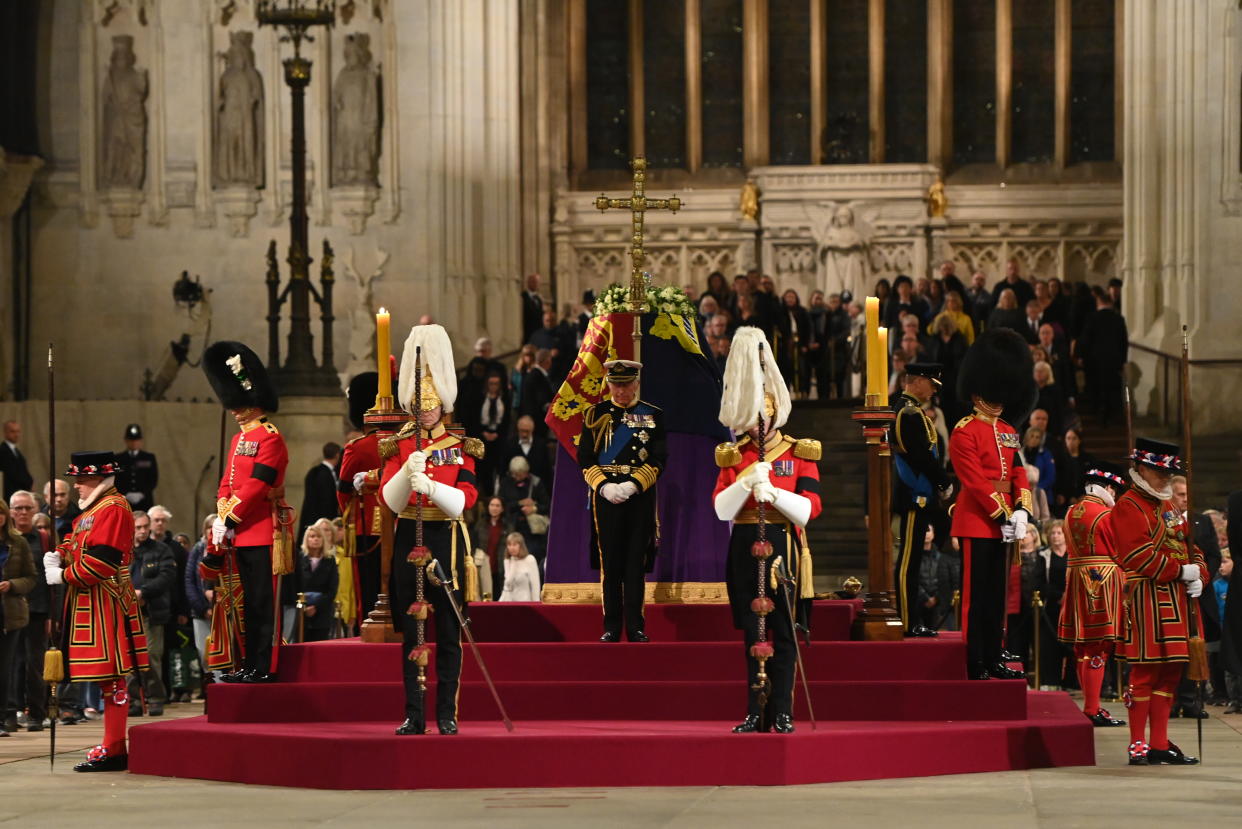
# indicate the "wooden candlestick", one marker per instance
pixel 878 620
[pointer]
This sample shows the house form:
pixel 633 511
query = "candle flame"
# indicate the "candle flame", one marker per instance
pixel 383 310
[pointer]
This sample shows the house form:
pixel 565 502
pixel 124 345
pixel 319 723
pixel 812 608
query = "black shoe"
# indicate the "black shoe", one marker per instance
pixel 921 632
pixel 609 636
pixel 240 675
pixel 1233 708
pixel 1002 671
pixel 750 725
pixel 978 671
pixel 783 724
pixel 1138 753
pixel 1009 656
pixel 117 762
pixel 1195 714
pixel 637 636
pixel 447 725
pixel 155 709
pixel 411 726
pixel 68 719
pixel 135 709
pixel 1172 756
pixel 255 678
pixel 10 725
pixel 35 726
pixel 1102 719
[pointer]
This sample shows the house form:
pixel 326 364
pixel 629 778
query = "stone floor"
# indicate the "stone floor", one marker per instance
pixel 1110 795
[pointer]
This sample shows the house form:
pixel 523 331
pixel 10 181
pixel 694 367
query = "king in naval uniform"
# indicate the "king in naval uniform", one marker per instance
pixel 995 503
pixel 621 452
pixel 786 481
pixel 429 473
pixel 102 629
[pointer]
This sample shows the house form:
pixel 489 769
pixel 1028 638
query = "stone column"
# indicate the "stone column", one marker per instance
pixel 16 171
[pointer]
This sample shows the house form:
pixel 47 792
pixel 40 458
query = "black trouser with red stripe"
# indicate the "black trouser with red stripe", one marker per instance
pixel 985 577
pixel 907 568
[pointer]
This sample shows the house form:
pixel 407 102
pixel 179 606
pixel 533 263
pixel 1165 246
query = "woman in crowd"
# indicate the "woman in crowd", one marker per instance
pixel 1050 398
pixel 935 297
pixel 792 347
pixel 1054 557
pixel 948 347
pixel 882 291
pixel 201 596
pixel 961 320
pixel 746 313
pixel 490 532
pixel 346 589
pixel 521 572
pixel 524 365
pixel 318 581
pixel 1007 314
pixel 718 288
pixel 1074 463
pixel 1024 580
pixel 17 578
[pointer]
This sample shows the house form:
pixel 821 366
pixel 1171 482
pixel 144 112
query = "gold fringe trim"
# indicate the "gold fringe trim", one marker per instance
pixel 663 592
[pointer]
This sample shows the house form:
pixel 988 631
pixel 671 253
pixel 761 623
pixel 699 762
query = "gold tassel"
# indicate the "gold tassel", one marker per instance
pixel 283 550
pixel 53 665
pixel 806 575
pixel 472 579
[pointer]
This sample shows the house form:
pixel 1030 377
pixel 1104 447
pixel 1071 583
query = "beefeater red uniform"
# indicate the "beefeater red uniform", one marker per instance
pixel 984 451
pixel 1153 545
pixel 1091 609
pixel 102 631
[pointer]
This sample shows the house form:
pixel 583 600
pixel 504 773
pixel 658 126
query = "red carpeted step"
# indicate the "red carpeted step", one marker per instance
pixel 349 660
pixel 664 753
pixel 325 702
pixel 534 622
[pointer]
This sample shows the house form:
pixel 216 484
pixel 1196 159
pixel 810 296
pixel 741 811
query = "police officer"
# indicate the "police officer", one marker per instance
pixel 622 453
pixel 139 473
pixel 918 484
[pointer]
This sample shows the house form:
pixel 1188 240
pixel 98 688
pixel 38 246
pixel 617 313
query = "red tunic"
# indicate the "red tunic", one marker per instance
pixel 253 479
pixel 1151 548
pixel 360 510
pixel 984 452
pixel 449 461
pixel 790 470
pixel 103 631
pixel 1091 609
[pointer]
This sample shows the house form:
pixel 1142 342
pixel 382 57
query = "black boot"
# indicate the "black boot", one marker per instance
pixel 1102 719
pixel 750 725
pixel 411 726
pixel 637 636
pixel 98 759
pixel 240 675
pixel 783 724
pixel 609 636
pixel 1000 670
pixel 447 725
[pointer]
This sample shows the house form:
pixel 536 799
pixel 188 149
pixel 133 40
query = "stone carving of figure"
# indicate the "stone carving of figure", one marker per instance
pixel 124 118
pixel 749 202
pixel 239 117
pixel 937 200
pixel 355 116
pixel 843 253
pixel 362 314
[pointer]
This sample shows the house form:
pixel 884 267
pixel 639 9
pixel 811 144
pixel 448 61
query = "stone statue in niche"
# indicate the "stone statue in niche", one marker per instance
pixel 362 314
pixel 124 118
pixel 843 253
pixel 356 116
pixel 239 117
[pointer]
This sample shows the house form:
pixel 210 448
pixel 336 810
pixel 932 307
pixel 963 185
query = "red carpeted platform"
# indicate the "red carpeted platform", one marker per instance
pixel 589 714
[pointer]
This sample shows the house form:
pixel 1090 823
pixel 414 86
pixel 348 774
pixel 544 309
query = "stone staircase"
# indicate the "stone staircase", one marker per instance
pixel 838 538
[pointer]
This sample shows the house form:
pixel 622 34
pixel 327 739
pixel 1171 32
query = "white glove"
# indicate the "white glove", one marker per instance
pixel 218 531
pixel 51 559
pixel 420 483
pixel 1007 532
pixel 612 493
pixel 628 490
pixel 54 575
pixel 360 480
pixel 1194 588
pixel 416 462
pixel 758 472
pixel 1190 572
pixel 764 492
pixel 1020 519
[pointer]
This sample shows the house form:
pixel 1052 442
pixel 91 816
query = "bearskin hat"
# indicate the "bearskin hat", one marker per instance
pixel 999 369
pixel 361 393
pixel 238 377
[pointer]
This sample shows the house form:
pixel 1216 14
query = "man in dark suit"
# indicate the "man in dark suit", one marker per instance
pixel 1013 280
pixel 1034 319
pixel 1103 349
pixel 490 424
pixel 140 473
pixel 532 308
pixel 12 462
pixel 319 494
pixel 524 444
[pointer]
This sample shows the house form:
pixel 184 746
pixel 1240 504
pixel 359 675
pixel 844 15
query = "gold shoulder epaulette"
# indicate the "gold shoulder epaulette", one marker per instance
pixel 809 449
pixel 964 421
pixel 727 455
pixel 388 446
pixel 270 427
pixel 473 447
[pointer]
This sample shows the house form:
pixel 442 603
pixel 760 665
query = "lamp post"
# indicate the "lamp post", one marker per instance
pixel 300 375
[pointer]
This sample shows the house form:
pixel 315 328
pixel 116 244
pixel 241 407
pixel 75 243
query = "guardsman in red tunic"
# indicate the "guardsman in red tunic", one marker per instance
pixel 102 629
pixel 787 482
pixel 1163 570
pixel 439 477
pixel 1091 610
pixel 356 493
pixel 250 541
pixel 994 504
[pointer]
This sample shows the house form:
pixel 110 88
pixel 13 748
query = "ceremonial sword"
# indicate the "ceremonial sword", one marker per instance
pixel 436 573
pixel 785 579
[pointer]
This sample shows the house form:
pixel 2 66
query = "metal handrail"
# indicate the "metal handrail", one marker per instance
pixel 1167 362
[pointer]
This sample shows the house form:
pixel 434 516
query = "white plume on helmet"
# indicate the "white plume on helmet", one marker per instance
pixel 745 383
pixel 437 361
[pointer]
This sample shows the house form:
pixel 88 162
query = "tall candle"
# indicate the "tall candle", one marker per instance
pixel 382 349
pixel 872 341
pixel 883 349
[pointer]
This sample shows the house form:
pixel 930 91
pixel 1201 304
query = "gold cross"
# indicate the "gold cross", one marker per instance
pixel 638 204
